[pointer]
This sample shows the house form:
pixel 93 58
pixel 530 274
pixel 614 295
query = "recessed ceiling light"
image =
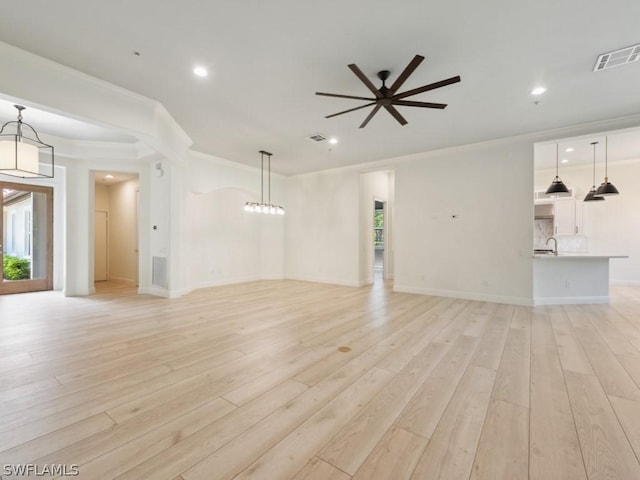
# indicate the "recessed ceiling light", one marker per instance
pixel 564 160
pixel 538 91
pixel 200 71
pixel 333 141
pixel 108 176
pixel 569 150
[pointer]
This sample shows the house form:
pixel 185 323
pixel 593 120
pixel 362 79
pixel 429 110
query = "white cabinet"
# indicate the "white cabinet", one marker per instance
pixel 580 220
pixel 568 217
pixel 564 220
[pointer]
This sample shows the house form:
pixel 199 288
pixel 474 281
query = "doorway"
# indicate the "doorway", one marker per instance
pixel 378 239
pixel 115 230
pixel 27 238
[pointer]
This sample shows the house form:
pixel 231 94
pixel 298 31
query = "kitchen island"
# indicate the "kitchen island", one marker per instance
pixel 571 278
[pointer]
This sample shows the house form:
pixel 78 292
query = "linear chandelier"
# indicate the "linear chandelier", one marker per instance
pixel 22 155
pixel 262 207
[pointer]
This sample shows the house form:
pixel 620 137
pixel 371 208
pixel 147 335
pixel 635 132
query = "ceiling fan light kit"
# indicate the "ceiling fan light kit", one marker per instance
pixel 267 208
pixel 386 97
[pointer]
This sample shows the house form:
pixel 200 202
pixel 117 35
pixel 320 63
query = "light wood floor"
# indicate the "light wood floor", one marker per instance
pixel 284 379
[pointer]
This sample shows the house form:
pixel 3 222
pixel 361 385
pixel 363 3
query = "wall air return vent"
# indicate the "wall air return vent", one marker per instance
pixel 159 272
pixel 316 137
pixel 617 58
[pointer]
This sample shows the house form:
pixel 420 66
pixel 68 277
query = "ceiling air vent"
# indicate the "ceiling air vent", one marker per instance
pixel 316 137
pixel 617 58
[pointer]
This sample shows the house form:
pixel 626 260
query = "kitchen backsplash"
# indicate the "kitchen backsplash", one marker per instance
pixel 543 229
pixel 572 243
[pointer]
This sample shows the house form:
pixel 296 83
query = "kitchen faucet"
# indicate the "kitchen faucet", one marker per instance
pixel 555 244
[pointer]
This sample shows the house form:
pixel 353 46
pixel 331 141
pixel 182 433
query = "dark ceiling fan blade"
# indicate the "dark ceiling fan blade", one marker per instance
pixel 351 110
pixel 405 73
pixel 370 116
pixel 409 103
pixel 363 78
pixel 426 88
pixel 344 96
pixel 396 114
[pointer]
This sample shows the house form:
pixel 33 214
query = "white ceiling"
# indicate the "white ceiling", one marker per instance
pixel 59 125
pixel 621 146
pixel 266 60
pixel 101 177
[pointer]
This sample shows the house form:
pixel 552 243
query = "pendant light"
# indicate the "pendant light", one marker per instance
pixel 591 195
pixel 557 186
pixel 606 188
pixel 262 207
pixel 23 153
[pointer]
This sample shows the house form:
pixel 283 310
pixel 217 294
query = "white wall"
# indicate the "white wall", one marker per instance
pixel 613 226
pixel 102 197
pixel 484 253
pixel 463 223
pixel 322 237
pixel 223 243
pixel 390 233
pixel 123 259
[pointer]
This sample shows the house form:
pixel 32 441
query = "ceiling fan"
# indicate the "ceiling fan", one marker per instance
pixel 387 97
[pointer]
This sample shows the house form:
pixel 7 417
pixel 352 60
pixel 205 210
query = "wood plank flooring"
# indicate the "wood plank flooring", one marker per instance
pixel 281 380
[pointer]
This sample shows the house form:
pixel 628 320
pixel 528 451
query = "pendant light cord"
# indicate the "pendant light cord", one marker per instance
pixel 606 148
pixel 557 147
pixel 261 178
pixel 269 163
pixel 594 163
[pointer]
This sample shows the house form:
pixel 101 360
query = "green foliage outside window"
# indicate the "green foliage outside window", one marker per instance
pixel 378 228
pixel 14 268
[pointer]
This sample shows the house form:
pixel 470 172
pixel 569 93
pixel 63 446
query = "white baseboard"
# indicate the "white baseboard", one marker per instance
pixel 482 297
pixel 570 300
pixel 161 292
pixel 625 283
pixel 332 281
pixel 155 291
pixel 120 279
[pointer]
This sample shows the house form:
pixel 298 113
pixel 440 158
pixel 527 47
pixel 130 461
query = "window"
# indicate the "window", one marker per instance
pixel 12 229
pixel 378 228
pixel 27 233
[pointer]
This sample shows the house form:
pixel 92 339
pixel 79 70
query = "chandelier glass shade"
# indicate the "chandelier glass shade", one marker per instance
pixel 267 207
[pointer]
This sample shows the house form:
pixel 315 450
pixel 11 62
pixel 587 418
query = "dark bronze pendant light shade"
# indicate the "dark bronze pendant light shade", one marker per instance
pixel 606 188
pixel 557 186
pixel 591 195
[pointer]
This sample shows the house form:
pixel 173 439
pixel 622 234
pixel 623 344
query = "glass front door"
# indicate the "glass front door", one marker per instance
pixel 26 234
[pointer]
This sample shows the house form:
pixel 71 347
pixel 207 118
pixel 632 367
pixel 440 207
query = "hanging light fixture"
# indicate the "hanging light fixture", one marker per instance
pixel 557 186
pixel 262 207
pixel 591 195
pixel 22 153
pixel 606 188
